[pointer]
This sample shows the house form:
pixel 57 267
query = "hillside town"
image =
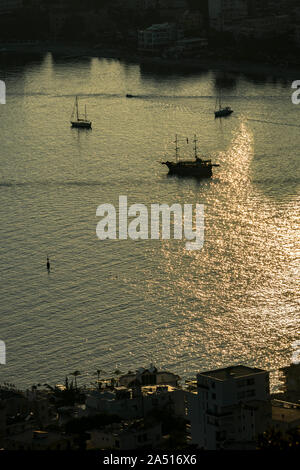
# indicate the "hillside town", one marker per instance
pixel 266 31
pixel 230 408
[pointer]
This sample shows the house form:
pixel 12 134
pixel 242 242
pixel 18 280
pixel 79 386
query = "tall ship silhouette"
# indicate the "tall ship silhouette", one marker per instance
pixel 198 167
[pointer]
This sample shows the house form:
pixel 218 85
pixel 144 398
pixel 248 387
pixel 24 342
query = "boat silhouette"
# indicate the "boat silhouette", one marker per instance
pixel 199 167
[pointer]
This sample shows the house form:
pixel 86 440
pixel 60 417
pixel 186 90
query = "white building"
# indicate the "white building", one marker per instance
pixel 158 36
pixel 291 373
pixel 230 405
pixel 126 436
pixel 133 404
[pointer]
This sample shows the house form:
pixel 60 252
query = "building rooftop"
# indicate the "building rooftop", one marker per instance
pixel 38 436
pixel 150 389
pixel 286 415
pixel 234 372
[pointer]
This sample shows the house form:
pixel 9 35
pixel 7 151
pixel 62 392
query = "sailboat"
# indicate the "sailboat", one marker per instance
pixel 222 112
pixel 76 121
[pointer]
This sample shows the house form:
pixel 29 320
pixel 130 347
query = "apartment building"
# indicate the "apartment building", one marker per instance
pixel 229 406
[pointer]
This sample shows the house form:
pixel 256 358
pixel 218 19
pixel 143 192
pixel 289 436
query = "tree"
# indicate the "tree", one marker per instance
pixel 112 380
pixel 98 373
pixel 276 440
pixel 75 374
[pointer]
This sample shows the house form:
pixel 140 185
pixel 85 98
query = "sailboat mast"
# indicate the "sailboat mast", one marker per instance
pixel 195 146
pixel 77 108
pixel 176 147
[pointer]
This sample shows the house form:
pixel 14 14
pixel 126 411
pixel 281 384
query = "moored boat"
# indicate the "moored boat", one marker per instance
pixel 79 122
pixel 222 111
pixel 198 168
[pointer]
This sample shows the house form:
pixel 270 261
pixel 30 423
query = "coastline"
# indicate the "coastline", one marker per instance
pixel 73 50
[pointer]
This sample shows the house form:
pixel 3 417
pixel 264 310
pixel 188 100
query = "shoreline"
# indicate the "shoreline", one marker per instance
pixel 73 50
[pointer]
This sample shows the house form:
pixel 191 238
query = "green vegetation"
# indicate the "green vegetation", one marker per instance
pixel 276 440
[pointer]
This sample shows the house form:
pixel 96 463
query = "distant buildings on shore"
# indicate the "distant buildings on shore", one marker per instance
pixel 9 6
pixel 226 408
pixel 168 38
pixel 153 25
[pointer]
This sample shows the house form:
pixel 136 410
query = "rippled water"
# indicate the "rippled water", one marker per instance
pixel 124 304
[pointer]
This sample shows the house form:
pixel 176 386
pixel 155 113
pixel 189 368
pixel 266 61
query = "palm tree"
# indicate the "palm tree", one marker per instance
pixel 67 383
pixel 117 372
pixel 75 374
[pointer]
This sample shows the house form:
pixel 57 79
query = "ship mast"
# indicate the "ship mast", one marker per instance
pixel 176 147
pixel 77 109
pixel 195 146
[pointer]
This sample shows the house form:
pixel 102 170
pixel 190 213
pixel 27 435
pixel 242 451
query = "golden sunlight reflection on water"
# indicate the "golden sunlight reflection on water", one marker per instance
pixel 228 296
pixel 127 303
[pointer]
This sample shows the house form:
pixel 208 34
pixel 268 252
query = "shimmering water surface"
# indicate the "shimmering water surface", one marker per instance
pixel 124 304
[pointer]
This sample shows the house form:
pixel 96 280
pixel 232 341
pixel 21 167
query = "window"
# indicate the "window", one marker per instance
pixel 214 396
pixel 117 444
